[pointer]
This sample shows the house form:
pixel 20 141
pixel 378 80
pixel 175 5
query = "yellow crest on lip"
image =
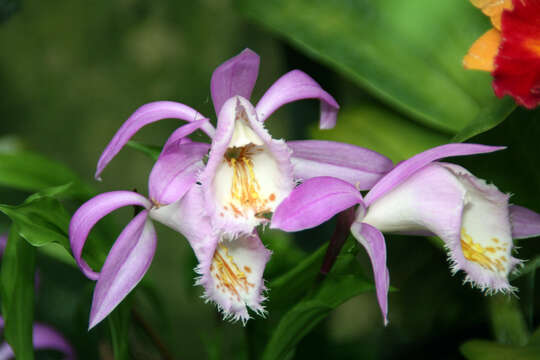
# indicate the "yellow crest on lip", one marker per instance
pixel 485 256
pixel 230 278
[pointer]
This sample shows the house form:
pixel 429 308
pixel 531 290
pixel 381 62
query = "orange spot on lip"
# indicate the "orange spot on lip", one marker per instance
pixel 495 240
pixel 247 269
pixel 272 197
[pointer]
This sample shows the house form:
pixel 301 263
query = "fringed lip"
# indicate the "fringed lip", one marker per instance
pixel 231 271
pixel 470 216
pixel 232 277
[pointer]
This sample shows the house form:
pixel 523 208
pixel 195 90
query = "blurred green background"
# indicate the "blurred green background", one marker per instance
pixel 72 71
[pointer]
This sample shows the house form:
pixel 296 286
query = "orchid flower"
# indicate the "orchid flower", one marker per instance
pixel 217 205
pixel 422 196
pixel 44 337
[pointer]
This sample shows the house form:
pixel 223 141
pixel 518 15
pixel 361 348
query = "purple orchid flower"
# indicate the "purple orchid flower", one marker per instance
pixel 421 196
pixel 218 205
pixel 44 337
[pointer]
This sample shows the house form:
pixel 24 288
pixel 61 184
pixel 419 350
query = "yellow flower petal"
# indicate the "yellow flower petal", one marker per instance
pixel 482 53
pixel 493 9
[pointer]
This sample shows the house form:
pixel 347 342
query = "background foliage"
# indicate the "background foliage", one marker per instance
pixel 71 72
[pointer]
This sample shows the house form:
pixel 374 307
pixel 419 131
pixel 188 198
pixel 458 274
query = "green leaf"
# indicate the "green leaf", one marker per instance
pixel 408 53
pixel 151 150
pixel 288 288
pixel 382 131
pixel 17 291
pixel 43 220
pixel 488 350
pixel 33 172
pixel 119 321
pixel 488 117
pixel 285 253
pixel 342 283
pixel 507 320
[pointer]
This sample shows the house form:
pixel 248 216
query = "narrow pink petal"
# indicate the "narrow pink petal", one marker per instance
pixel 236 76
pixel 145 115
pixel 313 202
pixel 3 243
pixel 6 353
pixel 126 264
pixel 525 222
pixel 176 170
pixel 46 338
pixel 185 130
pixel 90 213
pixel 297 85
pixel 408 167
pixel 373 241
pixel 356 165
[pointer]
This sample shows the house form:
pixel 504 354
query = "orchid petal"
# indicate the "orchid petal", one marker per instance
pixel 90 213
pixel 485 247
pixel 357 165
pixel 187 216
pixel 145 115
pixel 176 171
pixel 430 199
pixel 126 264
pixel 245 256
pixel 233 276
pixel 6 353
pixel 525 222
pixel 183 131
pixel 405 169
pixel 3 244
pixel 247 174
pixel 297 85
pixel 470 216
pixel 45 337
pixel 373 241
pixel 313 202
pixel 236 76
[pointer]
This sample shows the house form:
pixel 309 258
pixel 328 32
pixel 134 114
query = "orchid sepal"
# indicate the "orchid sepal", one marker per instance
pixel 293 86
pixel 143 116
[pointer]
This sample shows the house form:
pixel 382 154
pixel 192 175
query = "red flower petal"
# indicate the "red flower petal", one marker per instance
pixel 517 64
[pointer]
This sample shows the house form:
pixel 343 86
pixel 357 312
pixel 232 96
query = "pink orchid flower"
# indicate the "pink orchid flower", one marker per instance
pixel 218 204
pixel 421 196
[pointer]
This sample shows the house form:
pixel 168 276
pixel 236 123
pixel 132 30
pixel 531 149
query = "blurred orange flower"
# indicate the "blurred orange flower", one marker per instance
pixel 511 49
